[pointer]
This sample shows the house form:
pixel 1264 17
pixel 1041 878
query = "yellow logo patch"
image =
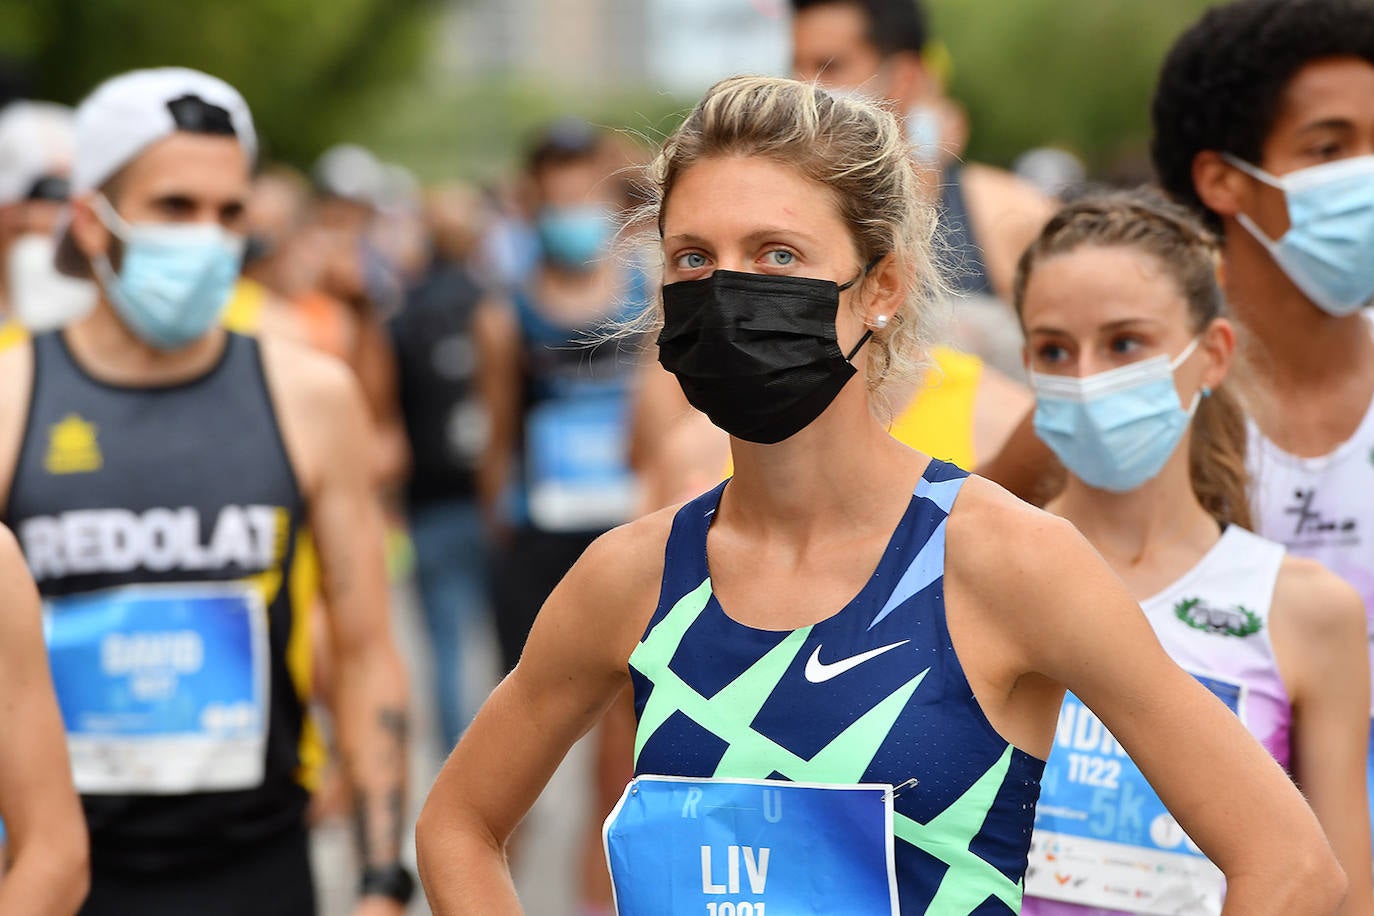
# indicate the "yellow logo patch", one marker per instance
pixel 72 447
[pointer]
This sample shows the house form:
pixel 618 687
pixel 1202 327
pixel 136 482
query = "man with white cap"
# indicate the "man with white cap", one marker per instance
pixel 159 473
pixel 35 163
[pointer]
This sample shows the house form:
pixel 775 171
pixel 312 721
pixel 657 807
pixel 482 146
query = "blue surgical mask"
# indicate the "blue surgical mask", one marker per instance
pixel 923 133
pixel 575 237
pixel 1328 250
pixel 174 280
pixel 1114 430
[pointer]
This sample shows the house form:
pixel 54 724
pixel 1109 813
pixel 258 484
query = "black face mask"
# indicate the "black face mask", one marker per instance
pixel 756 353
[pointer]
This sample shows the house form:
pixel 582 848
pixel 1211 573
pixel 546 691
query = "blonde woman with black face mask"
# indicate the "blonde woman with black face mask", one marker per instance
pixel 847 660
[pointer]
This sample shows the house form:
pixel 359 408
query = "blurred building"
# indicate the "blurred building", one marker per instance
pixel 681 46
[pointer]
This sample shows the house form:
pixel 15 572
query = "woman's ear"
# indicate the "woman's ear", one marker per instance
pixel 884 291
pixel 1218 341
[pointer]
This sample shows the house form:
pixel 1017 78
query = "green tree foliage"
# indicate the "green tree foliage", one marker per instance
pixel 478 129
pixel 307 67
pixel 1073 73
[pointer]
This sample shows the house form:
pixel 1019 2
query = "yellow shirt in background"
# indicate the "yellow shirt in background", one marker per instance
pixel 243 314
pixel 939 420
pixel 11 333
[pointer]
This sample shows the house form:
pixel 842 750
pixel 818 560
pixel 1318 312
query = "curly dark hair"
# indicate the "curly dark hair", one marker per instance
pixel 894 26
pixel 1220 85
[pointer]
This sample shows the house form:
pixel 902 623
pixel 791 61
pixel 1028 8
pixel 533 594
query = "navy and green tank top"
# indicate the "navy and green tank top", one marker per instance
pixel 161 525
pixel 873 694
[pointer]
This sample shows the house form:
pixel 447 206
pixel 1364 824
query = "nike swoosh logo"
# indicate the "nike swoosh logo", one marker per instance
pixel 818 673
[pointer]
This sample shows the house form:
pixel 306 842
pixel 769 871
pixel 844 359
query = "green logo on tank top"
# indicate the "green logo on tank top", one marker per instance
pixel 1235 621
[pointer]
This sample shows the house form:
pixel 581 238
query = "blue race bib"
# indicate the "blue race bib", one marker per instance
pixel 740 847
pixel 1102 836
pixel 163 689
pixel 577 464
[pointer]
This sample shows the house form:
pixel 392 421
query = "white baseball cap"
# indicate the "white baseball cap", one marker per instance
pixel 35 143
pixel 128 113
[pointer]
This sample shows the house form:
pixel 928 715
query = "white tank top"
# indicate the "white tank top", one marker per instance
pixel 1321 507
pixel 1214 622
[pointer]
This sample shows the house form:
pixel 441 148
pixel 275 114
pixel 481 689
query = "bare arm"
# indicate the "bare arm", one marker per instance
pixel 1007 214
pixel 999 406
pixel 326 426
pixel 573 667
pixel 375 366
pixel 1074 624
pixel 45 827
pixel 1025 466
pixel 659 406
pixel 1318 628
pixel 497 339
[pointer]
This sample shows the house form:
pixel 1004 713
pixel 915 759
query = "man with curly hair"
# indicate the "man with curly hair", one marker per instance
pixel 1264 122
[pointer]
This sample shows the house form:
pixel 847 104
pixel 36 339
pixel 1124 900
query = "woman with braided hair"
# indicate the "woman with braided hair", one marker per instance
pixel 1127 346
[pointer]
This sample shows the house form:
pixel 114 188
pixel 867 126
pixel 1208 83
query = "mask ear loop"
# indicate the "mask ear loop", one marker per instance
pixel 868 332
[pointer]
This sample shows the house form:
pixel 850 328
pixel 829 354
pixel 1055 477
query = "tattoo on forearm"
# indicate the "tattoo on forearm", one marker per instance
pixel 396 724
pixel 380 812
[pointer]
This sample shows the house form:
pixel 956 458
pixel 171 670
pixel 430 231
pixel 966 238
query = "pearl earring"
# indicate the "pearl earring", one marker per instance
pixel 880 322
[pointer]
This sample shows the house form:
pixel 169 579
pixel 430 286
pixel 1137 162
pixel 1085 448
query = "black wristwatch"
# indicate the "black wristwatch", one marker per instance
pixel 394 882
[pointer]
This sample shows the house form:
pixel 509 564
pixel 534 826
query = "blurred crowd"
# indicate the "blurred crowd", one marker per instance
pixel 501 339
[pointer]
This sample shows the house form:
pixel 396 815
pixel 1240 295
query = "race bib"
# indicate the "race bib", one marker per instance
pixel 163 689
pixel 741 847
pixel 577 468
pixel 1102 836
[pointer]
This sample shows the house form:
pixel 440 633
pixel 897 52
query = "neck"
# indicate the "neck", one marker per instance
pixel 841 467
pixel 1288 342
pixel 1129 528
pixel 112 353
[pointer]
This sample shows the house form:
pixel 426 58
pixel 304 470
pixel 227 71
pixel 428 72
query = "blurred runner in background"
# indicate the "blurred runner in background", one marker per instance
pixel 1264 123
pixel 446 426
pixel 159 471
pixel 349 183
pixel 35 169
pixel 555 473
pixel 883 49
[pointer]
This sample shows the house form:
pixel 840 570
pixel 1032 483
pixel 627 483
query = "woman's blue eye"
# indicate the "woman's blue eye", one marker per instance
pixel 692 260
pixel 781 257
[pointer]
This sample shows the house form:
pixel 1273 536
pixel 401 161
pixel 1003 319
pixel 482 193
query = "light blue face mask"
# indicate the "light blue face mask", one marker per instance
pixel 575 237
pixel 174 280
pixel 1114 430
pixel 923 134
pixel 1328 250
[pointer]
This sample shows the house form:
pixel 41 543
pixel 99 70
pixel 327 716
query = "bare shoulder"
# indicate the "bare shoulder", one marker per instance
pixel 16 375
pixel 300 374
pixel 1009 553
pixel 16 381
pixel 1006 192
pixel 989 524
pixel 628 559
pixel 320 409
pixel 613 588
pixel 1317 602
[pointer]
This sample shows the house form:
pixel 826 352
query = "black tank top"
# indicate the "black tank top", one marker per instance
pixel 161 525
pixel 956 247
